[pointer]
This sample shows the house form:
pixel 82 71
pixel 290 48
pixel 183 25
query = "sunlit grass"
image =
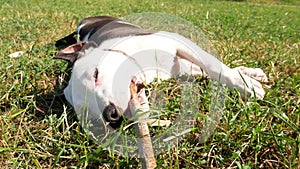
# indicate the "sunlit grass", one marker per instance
pixel 37 132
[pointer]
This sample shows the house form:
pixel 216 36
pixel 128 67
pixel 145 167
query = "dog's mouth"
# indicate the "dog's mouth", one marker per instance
pixel 112 114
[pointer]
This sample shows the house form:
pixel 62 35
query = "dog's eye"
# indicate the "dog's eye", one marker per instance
pixel 96 72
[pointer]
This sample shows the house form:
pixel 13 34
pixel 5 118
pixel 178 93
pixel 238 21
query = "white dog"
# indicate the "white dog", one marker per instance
pixel 110 54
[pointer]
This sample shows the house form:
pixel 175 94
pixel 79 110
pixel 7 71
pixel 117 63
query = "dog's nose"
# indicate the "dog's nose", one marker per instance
pixel 113 116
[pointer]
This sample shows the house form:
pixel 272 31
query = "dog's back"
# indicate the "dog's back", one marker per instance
pixel 101 28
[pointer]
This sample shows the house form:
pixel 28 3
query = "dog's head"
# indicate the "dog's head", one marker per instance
pixel 90 88
pixel 93 81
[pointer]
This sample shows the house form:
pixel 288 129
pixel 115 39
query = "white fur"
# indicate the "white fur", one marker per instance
pixel 160 55
pixel 195 58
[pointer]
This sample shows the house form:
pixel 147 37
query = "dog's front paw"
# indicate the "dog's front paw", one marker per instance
pixel 255 73
pixel 248 85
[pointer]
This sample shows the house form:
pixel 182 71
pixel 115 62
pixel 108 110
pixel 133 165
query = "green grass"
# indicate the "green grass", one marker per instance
pixel 252 134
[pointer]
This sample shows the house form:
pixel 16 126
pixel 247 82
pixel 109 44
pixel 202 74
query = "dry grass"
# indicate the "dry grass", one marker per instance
pixel 36 132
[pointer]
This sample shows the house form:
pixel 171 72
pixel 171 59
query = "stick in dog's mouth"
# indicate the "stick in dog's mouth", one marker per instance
pixel 142 130
pixel 136 87
pixel 137 100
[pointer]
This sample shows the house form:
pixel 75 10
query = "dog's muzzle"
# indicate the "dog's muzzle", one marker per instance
pixel 112 115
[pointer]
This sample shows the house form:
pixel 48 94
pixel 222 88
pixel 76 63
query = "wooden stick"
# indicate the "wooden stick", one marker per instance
pixel 145 146
pixel 142 130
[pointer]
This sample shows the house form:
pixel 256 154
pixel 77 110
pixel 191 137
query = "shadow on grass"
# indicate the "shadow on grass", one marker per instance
pixel 54 103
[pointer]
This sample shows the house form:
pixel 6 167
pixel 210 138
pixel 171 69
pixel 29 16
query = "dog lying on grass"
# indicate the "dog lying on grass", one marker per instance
pixel 109 52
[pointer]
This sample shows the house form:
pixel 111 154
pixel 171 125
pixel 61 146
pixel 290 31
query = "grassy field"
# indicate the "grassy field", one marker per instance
pixel 251 134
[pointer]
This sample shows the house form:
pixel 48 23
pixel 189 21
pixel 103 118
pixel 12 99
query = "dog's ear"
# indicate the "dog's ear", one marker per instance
pixel 66 41
pixel 74 52
pixel 70 53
